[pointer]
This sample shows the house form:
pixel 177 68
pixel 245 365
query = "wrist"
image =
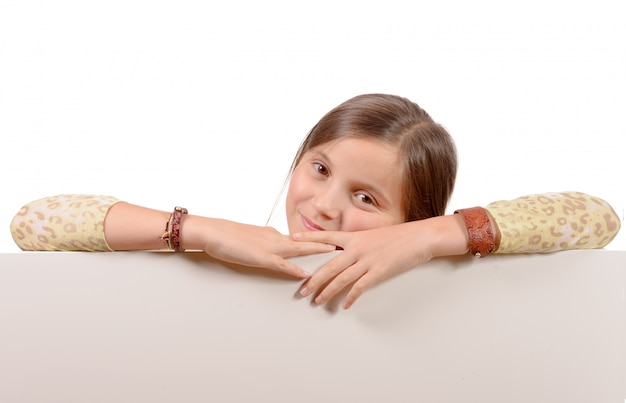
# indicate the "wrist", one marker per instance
pixel 480 229
pixel 449 236
pixel 195 232
pixel 171 235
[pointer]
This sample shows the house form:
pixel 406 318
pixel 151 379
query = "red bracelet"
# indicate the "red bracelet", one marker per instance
pixel 481 239
pixel 172 229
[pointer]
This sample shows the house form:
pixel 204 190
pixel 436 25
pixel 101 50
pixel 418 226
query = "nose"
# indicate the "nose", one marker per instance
pixel 327 202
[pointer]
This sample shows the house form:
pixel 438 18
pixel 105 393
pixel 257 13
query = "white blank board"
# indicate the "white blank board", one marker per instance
pixel 164 327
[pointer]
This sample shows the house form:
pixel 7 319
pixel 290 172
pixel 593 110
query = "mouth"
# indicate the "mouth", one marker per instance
pixel 310 225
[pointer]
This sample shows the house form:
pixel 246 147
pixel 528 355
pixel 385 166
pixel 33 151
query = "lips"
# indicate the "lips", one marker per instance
pixel 310 225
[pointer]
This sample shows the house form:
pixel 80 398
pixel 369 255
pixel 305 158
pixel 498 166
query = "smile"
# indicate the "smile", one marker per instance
pixel 310 226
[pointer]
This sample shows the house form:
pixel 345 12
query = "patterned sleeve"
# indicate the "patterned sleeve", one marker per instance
pixel 63 223
pixel 554 221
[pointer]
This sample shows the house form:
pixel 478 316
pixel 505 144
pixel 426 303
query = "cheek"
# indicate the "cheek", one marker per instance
pixel 297 190
pixel 359 220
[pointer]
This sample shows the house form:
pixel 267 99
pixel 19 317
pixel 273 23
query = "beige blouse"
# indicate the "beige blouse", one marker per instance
pixel 551 222
pixel 537 223
pixel 63 222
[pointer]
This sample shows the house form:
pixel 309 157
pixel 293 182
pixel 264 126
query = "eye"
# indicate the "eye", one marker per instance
pixel 321 169
pixel 365 199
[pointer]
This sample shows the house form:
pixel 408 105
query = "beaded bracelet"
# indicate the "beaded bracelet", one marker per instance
pixel 172 229
pixel 482 241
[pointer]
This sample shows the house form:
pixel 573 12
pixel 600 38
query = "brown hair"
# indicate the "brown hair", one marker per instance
pixel 426 149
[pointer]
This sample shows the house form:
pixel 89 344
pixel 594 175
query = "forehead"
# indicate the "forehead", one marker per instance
pixel 367 151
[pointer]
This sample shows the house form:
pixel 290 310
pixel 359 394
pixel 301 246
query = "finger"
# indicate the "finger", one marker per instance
pixel 330 237
pixel 340 282
pixel 365 282
pixel 279 264
pixel 307 248
pixel 358 288
pixel 326 273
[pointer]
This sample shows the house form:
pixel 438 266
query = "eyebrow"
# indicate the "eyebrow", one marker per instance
pixel 379 194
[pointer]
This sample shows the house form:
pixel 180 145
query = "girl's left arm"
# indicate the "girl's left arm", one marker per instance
pixel 530 224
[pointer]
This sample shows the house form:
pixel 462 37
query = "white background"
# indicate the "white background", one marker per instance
pixel 203 104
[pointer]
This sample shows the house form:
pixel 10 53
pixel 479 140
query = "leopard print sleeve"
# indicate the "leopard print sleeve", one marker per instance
pixel 63 223
pixel 554 221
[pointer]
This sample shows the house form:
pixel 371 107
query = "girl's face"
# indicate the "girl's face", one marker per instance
pixel 348 184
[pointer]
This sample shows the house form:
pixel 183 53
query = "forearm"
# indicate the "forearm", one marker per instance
pixel 531 224
pixel 75 222
pixel 131 227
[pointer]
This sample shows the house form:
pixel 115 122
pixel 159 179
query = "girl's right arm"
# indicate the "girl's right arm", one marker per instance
pixel 132 227
pixel 103 223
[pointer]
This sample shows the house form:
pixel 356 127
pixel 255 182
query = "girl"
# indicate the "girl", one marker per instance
pixel 373 177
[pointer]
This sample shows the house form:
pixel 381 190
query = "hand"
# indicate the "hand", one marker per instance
pixel 250 245
pixel 375 255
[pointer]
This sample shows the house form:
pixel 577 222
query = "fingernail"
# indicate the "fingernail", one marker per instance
pixel 319 300
pixel 297 236
pixel 304 291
